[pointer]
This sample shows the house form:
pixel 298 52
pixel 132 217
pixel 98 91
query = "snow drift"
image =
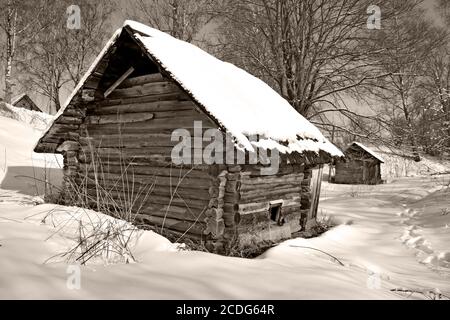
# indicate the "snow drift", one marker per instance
pixel 20 168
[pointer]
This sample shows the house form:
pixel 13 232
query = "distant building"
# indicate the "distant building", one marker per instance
pixel 361 165
pixel 24 101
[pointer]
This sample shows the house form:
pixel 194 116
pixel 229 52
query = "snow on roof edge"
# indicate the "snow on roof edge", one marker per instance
pixel 145 34
pixel 293 146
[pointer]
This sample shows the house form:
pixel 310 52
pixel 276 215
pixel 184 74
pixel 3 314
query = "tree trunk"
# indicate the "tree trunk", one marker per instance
pixel 8 73
pixel 10 52
pixel 175 20
pixel 56 101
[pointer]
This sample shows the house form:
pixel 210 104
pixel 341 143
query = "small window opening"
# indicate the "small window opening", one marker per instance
pixel 275 213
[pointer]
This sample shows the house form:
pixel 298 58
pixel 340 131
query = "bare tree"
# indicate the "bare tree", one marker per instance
pixel 60 56
pixel 406 44
pixel 433 92
pixel 313 51
pixel 19 23
pixel 183 19
pixel 319 55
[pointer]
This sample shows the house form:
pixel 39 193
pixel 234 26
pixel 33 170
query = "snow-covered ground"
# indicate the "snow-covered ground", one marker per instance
pixel 20 168
pixel 388 238
pixel 396 166
pixel 391 236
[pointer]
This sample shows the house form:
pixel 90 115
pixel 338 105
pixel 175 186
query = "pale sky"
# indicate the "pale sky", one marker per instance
pixel 123 12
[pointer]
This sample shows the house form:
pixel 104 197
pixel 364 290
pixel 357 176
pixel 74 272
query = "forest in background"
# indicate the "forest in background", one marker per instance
pixel 376 71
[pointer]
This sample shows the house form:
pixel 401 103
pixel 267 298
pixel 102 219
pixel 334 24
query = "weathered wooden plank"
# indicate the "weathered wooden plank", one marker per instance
pixel 59 127
pixel 159 191
pixel 136 141
pixel 118 82
pixel 173 224
pixel 75 112
pixel 92 81
pixel 179 213
pixel 147 126
pixel 86 156
pixel 45 147
pixel 158 106
pixel 185 192
pixel 186 182
pixel 162 220
pixel 129 140
pixel 142 150
pixel 69 120
pixel 182 209
pixel 180 96
pixel 265 187
pixel 130 180
pixel 272 179
pixel 272 197
pixel 122 118
pixel 147 170
pixel 136 81
pixel 54 139
pixel 315 191
pixel 119 118
pixel 148 89
pixel 156 161
pixel 256 192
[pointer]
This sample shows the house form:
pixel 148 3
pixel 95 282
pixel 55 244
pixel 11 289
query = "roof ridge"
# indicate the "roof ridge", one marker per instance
pixel 241 103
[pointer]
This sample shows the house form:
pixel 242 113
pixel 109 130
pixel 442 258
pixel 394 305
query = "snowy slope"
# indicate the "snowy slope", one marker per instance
pixel 19 131
pixel 161 272
pixel 369 242
pixel 392 229
pixel 390 236
pixel 428 229
pixel 396 166
pixel 38 120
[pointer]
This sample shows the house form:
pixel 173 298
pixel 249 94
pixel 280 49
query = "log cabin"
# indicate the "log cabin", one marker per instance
pixel 24 101
pixel 361 165
pixel 120 121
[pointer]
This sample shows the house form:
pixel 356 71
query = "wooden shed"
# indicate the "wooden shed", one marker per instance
pixel 361 165
pixel 118 126
pixel 24 101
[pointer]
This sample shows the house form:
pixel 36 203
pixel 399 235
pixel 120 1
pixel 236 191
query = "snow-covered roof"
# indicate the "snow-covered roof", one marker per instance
pixel 22 96
pixel 18 98
pixel 368 150
pixel 239 102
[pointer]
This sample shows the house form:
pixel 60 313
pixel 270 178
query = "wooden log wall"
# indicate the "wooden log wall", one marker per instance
pixel 355 171
pixel 359 167
pixel 125 142
pixel 248 194
pixel 349 172
pixel 306 196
